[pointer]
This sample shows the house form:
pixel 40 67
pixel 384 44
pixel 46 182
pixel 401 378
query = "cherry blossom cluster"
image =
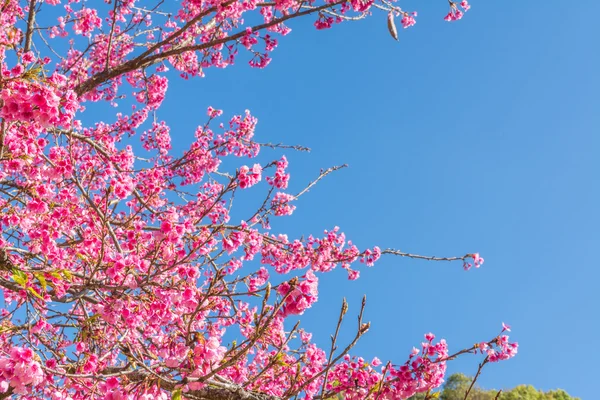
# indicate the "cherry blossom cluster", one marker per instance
pixel 473 260
pixel 34 102
pixel 249 177
pixel 20 371
pixel 455 12
pixel 123 273
pixel 281 178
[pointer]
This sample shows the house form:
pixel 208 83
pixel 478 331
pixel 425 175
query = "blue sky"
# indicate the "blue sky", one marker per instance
pixel 474 136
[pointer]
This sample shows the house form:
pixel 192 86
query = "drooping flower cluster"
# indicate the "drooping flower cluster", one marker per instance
pixel 475 260
pixel 281 178
pixel 456 13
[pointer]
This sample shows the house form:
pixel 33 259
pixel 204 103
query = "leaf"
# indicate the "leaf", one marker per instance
pixel 392 26
pixel 35 293
pixel 40 277
pixel 279 360
pixel 68 276
pixel 176 395
pixel 19 277
pixel 92 318
pixel 56 275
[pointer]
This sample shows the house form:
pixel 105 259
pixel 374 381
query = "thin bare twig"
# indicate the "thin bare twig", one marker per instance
pixel 420 257
pixel 476 376
pixel 343 311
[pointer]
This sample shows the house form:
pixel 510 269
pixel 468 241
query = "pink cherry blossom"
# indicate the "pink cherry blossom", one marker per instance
pixel 130 270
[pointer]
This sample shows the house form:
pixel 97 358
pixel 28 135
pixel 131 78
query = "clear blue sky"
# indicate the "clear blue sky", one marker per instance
pixel 480 135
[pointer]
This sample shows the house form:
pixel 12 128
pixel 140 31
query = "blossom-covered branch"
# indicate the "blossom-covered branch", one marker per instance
pixel 122 273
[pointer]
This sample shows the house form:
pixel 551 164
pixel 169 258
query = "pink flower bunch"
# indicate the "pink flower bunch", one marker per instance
pixel 370 256
pixel 86 21
pixel 270 43
pixel 281 204
pixel 20 371
pixel 301 295
pixel 32 102
pixel 157 137
pixel 354 377
pixel 123 185
pixel 477 262
pixel 258 279
pixel 156 88
pixel 249 177
pixel 499 349
pixel 249 39
pixel 232 242
pixel 455 13
pixel 213 112
pixel 321 254
pixel 361 5
pixel 281 178
pixel 208 354
pixel 238 140
pixel 260 60
pixel 424 369
pixel 252 243
pixel 324 22
pixel 408 19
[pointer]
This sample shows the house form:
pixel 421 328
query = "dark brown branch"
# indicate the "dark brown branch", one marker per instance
pixel 146 60
pixel 30 22
pixel 7 394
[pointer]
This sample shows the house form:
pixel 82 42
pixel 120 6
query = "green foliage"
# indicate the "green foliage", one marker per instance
pixel 457 385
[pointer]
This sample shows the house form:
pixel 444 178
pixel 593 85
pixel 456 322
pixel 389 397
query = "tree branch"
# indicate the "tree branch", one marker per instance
pixel 146 60
pixel 30 22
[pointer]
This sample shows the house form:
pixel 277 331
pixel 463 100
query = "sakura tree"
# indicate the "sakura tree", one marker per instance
pixel 120 268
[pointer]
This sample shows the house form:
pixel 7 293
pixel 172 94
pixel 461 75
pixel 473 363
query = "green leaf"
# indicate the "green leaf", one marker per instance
pixel 176 395
pixel 19 277
pixel 56 275
pixel 40 277
pixel 279 360
pixel 35 293
pixel 67 274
